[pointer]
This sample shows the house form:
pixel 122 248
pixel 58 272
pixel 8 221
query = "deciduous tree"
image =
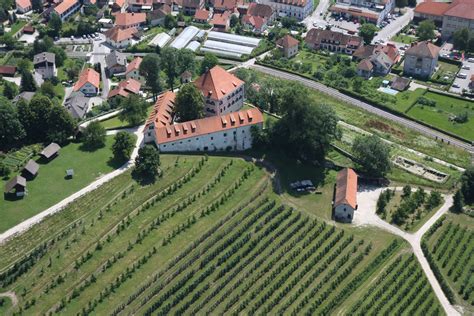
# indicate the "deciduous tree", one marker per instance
pixel 425 30
pixel 11 129
pixel 55 24
pixel 123 146
pixel 209 61
pixel 189 104
pixel 94 135
pixel 134 110
pixel 372 154
pixel 147 162
pixel 169 64
pixel 150 69
pixel 367 32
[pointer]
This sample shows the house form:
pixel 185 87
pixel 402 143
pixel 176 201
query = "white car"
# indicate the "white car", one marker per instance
pixel 462 75
pixel 466 67
pixel 471 60
pixel 455 85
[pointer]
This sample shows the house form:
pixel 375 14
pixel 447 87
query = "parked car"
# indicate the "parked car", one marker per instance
pixel 471 60
pixel 462 75
pixel 466 67
pixel 455 85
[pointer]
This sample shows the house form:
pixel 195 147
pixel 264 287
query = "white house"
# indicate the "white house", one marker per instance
pixel 88 82
pixel 421 60
pixel 345 200
pixel 23 6
pixel 119 38
pixel 223 92
pixel 133 70
pixel 67 8
pixel 298 9
pixel 45 64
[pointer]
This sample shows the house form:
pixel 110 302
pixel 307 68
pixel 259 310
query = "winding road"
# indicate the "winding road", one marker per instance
pixel 365 215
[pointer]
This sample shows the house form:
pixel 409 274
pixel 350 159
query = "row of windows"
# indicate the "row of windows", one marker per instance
pixel 212 138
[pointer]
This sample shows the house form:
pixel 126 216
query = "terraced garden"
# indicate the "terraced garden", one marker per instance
pixel 449 247
pixel 209 237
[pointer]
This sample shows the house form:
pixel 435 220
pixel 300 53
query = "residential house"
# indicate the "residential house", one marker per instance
pixel 116 63
pixel 133 70
pixel 221 22
pixel 262 10
pixel 7 71
pixel 345 199
pixel 118 38
pixel 125 88
pixel 88 82
pixel 23 6
pixel 221 6
pixel 186 76
pixel 140 5
pixel 130 20
pixel 288 46
pixel 230 131
pixel 28 29
pixel 332 41
pixel 191 6
pixel 298 9
pixel 421 60
pixel 400 83
pixel 202 16
pixel 452 16
pixel 77 104
pixel 67 8
pixel 157 17
pixel 365 68
pixel 366 51
pixel 254 24
pixel 374 11
pixel 45 64
pixel 223 92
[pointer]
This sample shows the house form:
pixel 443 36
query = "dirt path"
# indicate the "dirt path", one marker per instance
pixel 365 215
pixel 12 296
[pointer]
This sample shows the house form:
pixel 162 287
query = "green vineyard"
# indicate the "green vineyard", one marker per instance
pixel 449 247
pixel 209 237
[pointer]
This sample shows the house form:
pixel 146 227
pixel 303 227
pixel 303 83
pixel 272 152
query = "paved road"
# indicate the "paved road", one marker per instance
pixel 334 93
pixel 395 26
pixel 367 200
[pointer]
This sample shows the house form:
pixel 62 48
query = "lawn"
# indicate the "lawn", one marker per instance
pixel 16 27
pixel 442 113
pixel 5 305
pixel 450 247
pixel 205 238
pixel 446 72
pixel 406 99
pixel 50 186
pixel 114 123
pixel 403 38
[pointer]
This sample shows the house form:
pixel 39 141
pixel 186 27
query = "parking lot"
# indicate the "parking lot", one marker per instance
pixel 463 83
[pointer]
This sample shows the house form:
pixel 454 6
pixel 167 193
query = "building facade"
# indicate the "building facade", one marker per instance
pixel 374 11
pixel 288 46
pixel 88 82
pixel 67 8
pixel 133 70
pixel 45 64
pixel 421 60
pixel 345 200
pixel 298 9
pixel 222 91
pixel 332 41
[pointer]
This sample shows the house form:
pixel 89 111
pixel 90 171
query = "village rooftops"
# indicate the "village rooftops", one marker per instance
pixel 124 88
pixel 346 188
pixel 162 114
pixel 423 49
pixel 365 65
pixel 88 75
pixel 7 70
pixel 255 21
pixel 116 34
pixel 432 8
pixel 208 125
pixel 32 167
pixel 125 20
pixel 134 65
pixel 45 56
pixel 261 10
pixel 23 3
pixel 297 3
pixel 201 15
pixel 50 150
pixel 64 6
pixel 221 19
pixel 316 36
pixel 14 182
pixel 463 9
pixel 287 41
pixel 366 51
pixel 216 83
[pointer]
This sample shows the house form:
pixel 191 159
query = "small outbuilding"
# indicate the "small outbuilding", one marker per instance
pixel 400 83
pixel 186 76
pixel 16 184
pixel 51 151
pixel 69 173
pixel 345 199
pixel 31 169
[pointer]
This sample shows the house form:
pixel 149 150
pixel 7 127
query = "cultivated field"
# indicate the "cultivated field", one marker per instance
pixel 450 248
pixel 209 237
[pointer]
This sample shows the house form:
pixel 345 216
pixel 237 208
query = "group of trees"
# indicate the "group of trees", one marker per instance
pixel 425 30
pixel 463 39
pixel 367 31
pixel 37 121
pixel 373 155
pixel 465 194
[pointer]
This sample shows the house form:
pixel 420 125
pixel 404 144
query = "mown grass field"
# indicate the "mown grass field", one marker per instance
pixel 209 236
pixel 451 248
pixel 439 115
pixel 50 185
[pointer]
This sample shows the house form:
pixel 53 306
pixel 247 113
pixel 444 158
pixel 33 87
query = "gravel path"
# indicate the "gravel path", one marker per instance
pixel 23 226
pixel 365 215
pixel 12 296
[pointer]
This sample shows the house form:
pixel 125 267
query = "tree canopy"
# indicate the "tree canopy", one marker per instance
pixel 209 61
pixel 189 103
pixel 169 64
pixel 55 24
pixel 372 154
pixel 11 130
pixel 367 32
pixel 150 69
pixel 134 109
pixel 147 163
pixel 467 185
pixel 27 82
pixel 123 146
pixel 425 30
pixel 94 135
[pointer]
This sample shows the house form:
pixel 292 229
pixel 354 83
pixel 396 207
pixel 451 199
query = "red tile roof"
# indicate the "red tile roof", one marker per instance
pixel 124 88
pixel 64 6
pixel 117 34
pixel 256 21
pixel 432 8
pixel 221 19
pixel 208 125
pixel 423 49
pixel 217 82
pixel 201 15
pixel 119 3
pixel 226 4
pixel 88 75
pixel 346 188
pixel 23 4
pixel 461 9
pixel 287 41
pixel 7 70
pixel 129 19
pixel 163 109
pixel 366 65
pixel 134 65
pixel 261 10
